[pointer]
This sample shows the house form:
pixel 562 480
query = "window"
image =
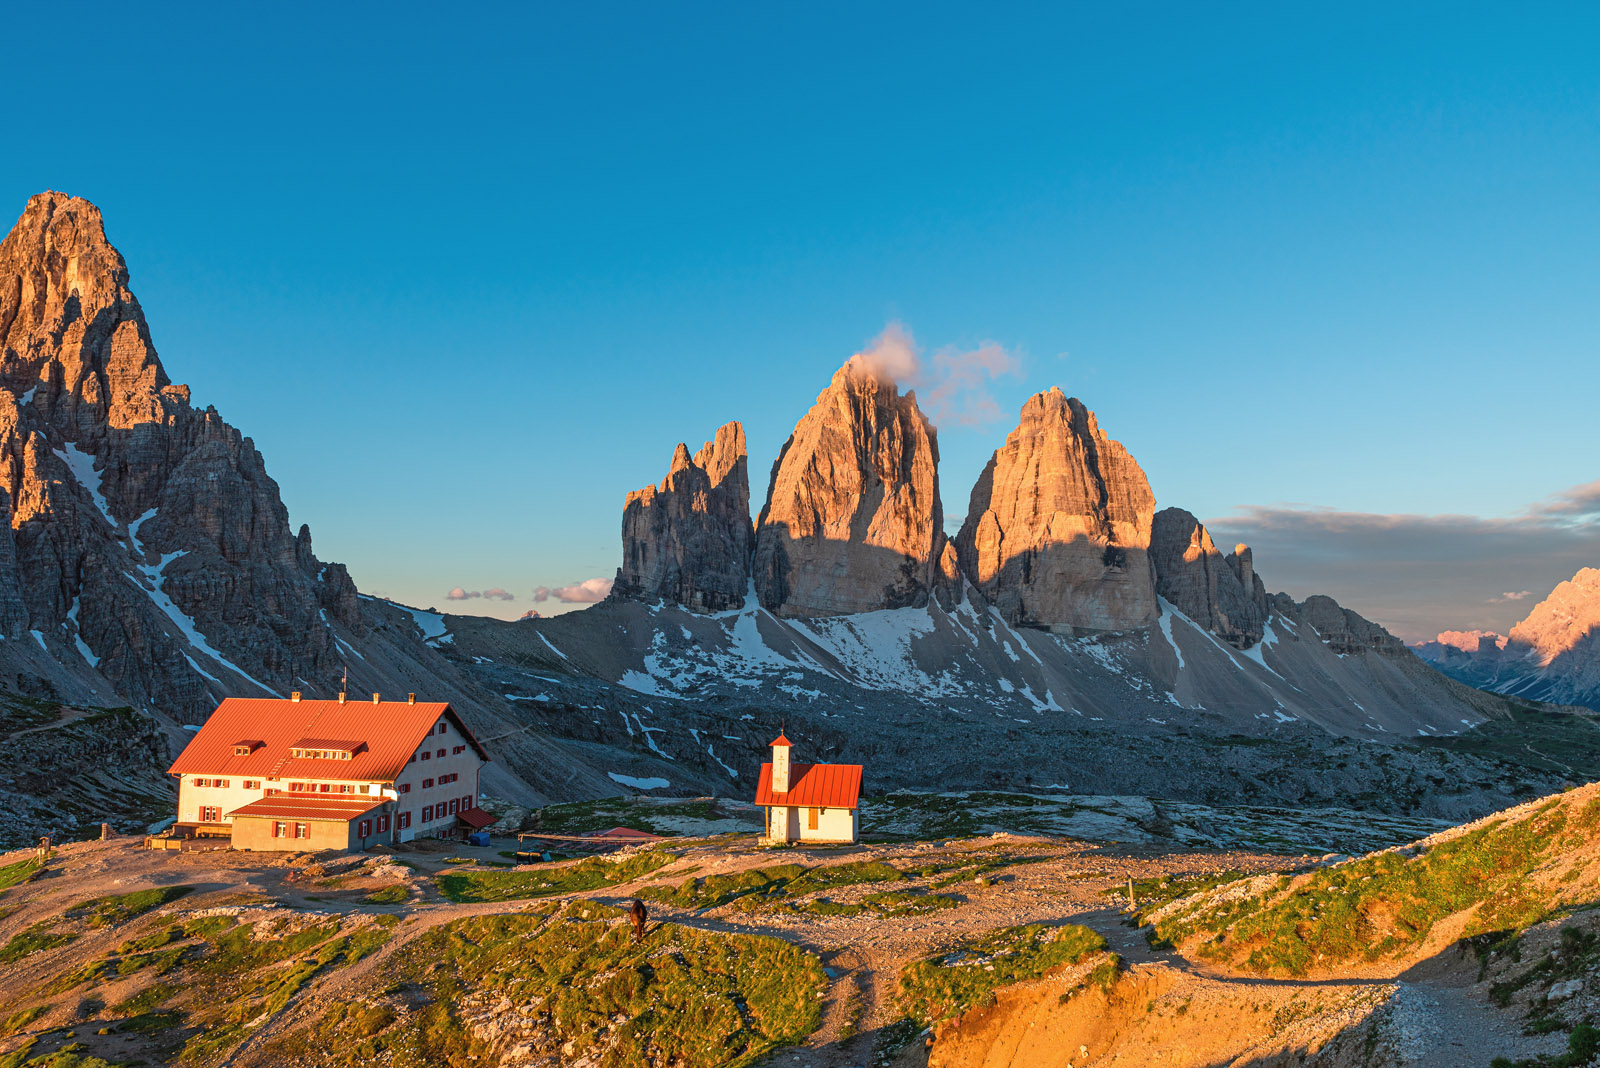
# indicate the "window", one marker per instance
pixel 363 788
pixel 443 726
pixel 202 782
pixel 454 802
pixel 811 819
pixel 466 803
pixel 296 787
pixel 383 823
pixel 457 750
pixel 402 821
pixel 219 782
pixel 404 788
pixel 426 755
pixel 346 788
pixel 252 784
pixel 210 814
pixel 300 831
pixel 427 784
pixel 280 830
pixel 440 753
pixel 364 829
pixel 427 813
pixel 326 788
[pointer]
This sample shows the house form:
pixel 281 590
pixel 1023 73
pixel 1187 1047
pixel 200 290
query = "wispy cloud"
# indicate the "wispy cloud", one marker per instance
pixel 589 591
pixel 1422 574
pixel 953 384
pixel 496 594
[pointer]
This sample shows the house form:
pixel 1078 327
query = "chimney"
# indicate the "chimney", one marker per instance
pixel 780 765
pixel 376 698
pixel 411 698
pixel 295 696
pixel 341 697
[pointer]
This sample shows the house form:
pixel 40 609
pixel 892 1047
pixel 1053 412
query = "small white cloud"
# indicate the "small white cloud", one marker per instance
pixel 497 594
pixel 459 594
pixel 589 591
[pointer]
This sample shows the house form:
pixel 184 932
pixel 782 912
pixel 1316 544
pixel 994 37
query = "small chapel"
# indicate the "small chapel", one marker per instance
pixel 808 802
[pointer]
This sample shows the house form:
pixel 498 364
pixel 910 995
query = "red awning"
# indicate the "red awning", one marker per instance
pixel 477 818
pixel 813 786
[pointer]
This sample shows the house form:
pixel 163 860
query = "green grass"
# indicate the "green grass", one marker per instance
pixel 1383 905
pixel 584 817
pixel 943 985
pixel 43 935
pixel 887 904
pixel 1160 891
pixel 21 1019
pixel 120 908
pixel 20 872
pixel 776 886
pixel 591 874
pixel 683 997
pixel 397 894
pixel 713 891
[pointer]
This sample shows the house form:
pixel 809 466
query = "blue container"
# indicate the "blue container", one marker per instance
pixel 478 838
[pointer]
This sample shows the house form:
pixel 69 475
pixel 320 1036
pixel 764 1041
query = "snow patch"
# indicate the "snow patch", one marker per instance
pixel 638 784
pixel 81 464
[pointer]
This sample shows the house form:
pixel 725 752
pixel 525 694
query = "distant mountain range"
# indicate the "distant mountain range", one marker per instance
pixel 1069 637
pixel 1552 655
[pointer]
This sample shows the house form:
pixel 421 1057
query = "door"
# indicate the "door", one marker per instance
pixel 811 819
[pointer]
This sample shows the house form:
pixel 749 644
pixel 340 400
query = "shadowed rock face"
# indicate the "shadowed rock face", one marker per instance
pixel 1058 531
pixel 689 540
pixel 1194 576
pixel 123 499
pixel 853 521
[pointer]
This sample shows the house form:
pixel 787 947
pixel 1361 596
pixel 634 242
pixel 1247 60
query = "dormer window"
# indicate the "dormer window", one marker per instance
pixel 325 749
pixel 247 746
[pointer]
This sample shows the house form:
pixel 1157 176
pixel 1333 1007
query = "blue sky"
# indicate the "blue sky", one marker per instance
pixel 468 278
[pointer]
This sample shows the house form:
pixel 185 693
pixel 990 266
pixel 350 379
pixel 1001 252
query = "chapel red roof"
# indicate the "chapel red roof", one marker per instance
pixel 390 731
pixel 290 807
pixel 813 786
pixel 781 740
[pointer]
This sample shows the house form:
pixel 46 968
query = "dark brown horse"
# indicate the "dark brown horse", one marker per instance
pixel 639 915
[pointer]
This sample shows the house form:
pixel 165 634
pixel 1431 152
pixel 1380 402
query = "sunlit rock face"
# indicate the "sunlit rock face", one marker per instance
pixel 1057 533
pixel 689 540
pixel 135 518
pixel 853 521
pixel 1564 621
pixel 1222 594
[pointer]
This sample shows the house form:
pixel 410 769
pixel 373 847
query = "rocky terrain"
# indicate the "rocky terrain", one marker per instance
pixel 1552 655
pixel 147 558
pixel 1097 942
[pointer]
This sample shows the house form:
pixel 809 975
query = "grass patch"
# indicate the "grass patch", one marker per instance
pixel 21 872
pixel 21 1019
pixel 1383 905
pixel 755 889
pixel 949 983
pixel 397 894
pixel 591 874
pixel 586 993
pixel 46 934
pixel 120 908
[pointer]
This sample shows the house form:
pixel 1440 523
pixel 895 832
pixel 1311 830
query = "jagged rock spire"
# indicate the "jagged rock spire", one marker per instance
pixel 853 521
pixel 1058 529
pixel 689 540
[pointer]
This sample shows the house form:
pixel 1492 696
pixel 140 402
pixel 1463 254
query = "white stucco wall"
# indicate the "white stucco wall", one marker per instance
pixel 467 764
pixel 792 824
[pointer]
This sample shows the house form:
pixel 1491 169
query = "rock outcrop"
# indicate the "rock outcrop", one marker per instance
pixel 689 540
pixel 1057 534
pixel 149 539
pixel 853 521
pixel 1345 632
pixel 1194 577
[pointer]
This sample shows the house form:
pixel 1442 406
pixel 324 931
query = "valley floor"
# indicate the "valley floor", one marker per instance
pixel 1433 1016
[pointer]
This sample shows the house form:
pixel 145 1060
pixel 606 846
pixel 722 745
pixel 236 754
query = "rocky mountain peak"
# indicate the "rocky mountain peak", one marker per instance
pixel 1194 577
pixel 1563 620
pixel 853 520
pixel 689 539
pixel 1057 532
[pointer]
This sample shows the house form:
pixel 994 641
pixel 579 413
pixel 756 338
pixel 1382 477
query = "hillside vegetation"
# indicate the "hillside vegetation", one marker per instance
pixel 1492 878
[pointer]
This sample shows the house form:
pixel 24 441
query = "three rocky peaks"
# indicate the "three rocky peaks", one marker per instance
pixel 1061 531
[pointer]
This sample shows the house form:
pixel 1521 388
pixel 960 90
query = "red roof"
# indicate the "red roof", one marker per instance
pixel 289 807
pixel 781 740
pixel 476 818
pixel 390 730
pixel 813 786
pixel 627 833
